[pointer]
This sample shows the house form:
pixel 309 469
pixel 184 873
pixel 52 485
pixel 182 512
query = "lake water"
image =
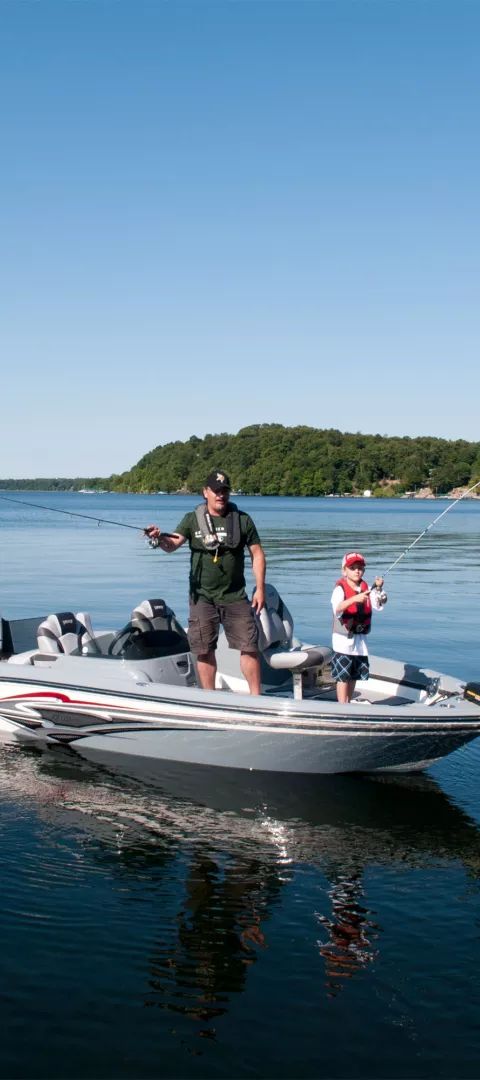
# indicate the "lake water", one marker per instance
pixel 213 926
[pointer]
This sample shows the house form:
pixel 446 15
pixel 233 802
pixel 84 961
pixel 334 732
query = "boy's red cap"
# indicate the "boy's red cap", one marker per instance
pixel 352 557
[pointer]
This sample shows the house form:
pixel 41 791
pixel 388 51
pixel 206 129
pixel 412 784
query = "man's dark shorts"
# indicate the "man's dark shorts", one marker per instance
pixel 349 668
pixel 237 621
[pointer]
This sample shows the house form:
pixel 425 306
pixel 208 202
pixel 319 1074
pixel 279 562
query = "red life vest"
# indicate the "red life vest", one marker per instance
pixel 354 619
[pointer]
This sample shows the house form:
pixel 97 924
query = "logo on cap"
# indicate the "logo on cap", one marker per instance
pixel 353 557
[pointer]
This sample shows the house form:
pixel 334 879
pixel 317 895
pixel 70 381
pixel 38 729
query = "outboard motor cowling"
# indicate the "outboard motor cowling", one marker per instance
pixel 472 692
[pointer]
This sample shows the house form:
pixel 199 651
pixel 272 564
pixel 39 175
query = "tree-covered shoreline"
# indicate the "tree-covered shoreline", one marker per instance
pixel 269 459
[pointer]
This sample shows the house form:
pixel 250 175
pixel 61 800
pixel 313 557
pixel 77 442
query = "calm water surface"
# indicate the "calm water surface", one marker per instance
pixel 210 925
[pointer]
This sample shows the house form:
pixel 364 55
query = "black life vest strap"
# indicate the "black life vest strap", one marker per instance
pixel 207 527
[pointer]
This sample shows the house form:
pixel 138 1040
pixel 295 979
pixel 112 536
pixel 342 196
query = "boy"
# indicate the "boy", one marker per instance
pixel 352 602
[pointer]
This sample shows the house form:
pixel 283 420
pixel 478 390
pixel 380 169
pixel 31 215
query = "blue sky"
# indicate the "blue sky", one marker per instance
pixel 219 214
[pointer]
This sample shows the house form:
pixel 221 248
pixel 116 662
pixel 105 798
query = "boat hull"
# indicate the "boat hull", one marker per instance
pixel 320 754
pixel 246 739
pixel 269 733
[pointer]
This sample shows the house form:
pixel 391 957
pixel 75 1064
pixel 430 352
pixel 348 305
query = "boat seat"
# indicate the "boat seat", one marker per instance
pixel 276 640
pixel 151 615
pixel 156 615
pixel 60 633
pixel 88 644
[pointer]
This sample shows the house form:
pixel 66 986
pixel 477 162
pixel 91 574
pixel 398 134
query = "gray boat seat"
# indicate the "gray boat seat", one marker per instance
pixel 65 632
pixel 155 615
pixel 150 615
pixel 274 623
pixel 88 643
pixel 60 633
pixel 276 640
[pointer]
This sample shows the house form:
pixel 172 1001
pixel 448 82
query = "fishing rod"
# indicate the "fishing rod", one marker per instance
pixel 154 543
pixel 75 513
pixel 432 523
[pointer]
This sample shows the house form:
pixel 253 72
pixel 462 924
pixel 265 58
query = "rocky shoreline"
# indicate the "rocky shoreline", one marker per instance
pixel 427 493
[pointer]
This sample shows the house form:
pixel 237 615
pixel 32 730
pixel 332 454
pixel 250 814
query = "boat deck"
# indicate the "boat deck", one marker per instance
pixel 329 694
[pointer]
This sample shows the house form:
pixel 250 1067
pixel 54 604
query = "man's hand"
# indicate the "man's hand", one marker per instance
pixel 153 532
pixel 258 600
pixel 166 541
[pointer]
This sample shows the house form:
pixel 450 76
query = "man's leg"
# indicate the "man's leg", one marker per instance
pixel 241 632
pixel 250 668
pixel 203 624
pixel 207 669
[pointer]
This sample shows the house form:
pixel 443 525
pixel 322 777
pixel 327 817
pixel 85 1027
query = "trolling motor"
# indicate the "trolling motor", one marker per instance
pixel 472 692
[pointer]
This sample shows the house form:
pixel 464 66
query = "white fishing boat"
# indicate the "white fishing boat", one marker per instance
pixel 134 692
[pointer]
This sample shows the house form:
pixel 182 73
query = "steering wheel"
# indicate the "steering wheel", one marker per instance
pixel 120 642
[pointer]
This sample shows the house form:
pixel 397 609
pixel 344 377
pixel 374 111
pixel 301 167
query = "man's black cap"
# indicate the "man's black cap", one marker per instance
pixel 217 481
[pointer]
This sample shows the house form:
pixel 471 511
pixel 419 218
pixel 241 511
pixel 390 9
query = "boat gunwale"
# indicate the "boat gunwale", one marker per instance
pixel 320 723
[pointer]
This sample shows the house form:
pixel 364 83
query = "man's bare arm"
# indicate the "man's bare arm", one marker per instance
pixel 259 564
pixel 168 542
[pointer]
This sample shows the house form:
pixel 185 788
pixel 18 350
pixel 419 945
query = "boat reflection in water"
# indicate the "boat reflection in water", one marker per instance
pixel 219 851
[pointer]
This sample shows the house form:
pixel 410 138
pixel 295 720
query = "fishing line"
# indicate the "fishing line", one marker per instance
pixel 432 523
pixel 141 528
pixel 76 513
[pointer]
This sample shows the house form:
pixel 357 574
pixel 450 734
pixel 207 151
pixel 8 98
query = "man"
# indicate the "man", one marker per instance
pixel 218 533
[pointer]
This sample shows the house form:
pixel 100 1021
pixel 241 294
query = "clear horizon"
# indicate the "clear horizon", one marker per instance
pixel 216 215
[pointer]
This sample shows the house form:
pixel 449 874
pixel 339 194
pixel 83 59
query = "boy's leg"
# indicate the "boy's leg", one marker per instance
pixel 342 672
pixel 345 691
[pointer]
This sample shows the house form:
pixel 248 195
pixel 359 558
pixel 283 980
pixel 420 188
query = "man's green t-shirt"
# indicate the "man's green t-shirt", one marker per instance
pixel 223 580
